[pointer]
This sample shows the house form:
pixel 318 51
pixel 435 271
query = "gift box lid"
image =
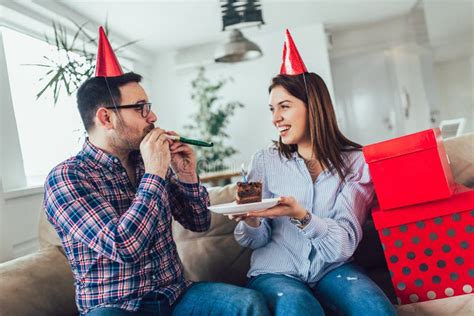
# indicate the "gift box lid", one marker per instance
pixel 402 145
pixel 462 200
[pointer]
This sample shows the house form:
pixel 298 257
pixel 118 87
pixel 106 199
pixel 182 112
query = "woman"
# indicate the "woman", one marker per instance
pixel 303 246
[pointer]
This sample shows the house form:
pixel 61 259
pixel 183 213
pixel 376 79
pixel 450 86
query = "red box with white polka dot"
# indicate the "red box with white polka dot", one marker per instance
pixel 429 248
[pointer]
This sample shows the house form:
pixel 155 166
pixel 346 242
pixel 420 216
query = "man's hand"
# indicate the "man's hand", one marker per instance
pixel 287 206
pixel 183 161
pixel 155 150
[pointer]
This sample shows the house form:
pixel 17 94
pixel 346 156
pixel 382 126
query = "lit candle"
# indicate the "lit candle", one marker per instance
pixel 244 173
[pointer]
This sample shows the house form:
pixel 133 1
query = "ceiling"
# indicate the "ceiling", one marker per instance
pixel 163 25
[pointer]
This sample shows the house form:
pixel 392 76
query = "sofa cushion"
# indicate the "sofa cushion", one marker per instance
pixel 37 284
pixel 47 235
pixel 213 255
pixel 460 151
pixel 457 305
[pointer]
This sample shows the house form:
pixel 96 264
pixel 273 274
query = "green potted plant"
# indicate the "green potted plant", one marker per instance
pixel 210 122
pixel 75 63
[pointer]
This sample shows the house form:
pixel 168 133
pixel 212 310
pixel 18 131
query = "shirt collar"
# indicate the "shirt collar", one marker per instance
pixel 294 156
pixel 99 157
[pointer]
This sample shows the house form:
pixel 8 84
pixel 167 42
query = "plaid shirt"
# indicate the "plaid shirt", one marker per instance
pixel 117 237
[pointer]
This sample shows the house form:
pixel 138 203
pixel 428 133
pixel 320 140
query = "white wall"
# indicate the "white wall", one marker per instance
pixel 18 215
pixel 11 161
pixel 455 78
pixel 19 225
pixel 413 98
pixel 251 127
pixel 412 101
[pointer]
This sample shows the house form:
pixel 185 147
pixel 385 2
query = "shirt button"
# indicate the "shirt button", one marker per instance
pixel 124 173
pixel 153 277
pixel 115 160
pixel 110 168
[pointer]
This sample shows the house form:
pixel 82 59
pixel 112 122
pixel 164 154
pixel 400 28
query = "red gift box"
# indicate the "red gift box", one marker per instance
pixel 429 248
pixel 409 170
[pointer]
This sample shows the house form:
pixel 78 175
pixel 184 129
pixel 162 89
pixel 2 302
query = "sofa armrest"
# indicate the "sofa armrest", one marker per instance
pixel 460 151
pixel 37 284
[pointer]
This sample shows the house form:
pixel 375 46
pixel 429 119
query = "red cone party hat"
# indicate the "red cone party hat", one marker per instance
pixel 292 62
pixel 107 64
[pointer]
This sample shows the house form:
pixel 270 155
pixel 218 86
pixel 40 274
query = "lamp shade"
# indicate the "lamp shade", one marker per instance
pixel 238 48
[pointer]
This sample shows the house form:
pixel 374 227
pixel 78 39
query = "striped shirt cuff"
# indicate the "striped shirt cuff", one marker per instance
pixel 244 229
pixel 193 190
pixel 151 185
pixel 316 228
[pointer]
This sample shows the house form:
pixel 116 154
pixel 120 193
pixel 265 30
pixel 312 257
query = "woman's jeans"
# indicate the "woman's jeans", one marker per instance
pixel 346 290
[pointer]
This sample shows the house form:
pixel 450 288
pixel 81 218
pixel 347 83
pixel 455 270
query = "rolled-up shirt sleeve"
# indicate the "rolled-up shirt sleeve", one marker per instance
pixel 76 208
pixel 189 204
pixel 245 235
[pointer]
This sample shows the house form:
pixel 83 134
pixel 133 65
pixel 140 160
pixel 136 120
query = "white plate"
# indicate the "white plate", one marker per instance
pixel 238 209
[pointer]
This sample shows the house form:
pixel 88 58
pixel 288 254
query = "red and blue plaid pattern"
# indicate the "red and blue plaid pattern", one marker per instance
pixel 117 237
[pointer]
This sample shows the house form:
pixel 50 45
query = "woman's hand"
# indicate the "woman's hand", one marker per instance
pixel 287 206
pixel 251 221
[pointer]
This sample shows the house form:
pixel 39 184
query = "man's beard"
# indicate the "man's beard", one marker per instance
pixel 125 141
pixel 148 129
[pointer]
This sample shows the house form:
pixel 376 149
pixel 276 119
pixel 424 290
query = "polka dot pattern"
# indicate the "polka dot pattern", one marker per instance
pixel 467 289
pixel 454 276
pixel 414 298
pixel 431 295
pixel 428 258
pixel 449 291
pixel 401 286
pixel 438 221
pixel 428 252
pixel 420 224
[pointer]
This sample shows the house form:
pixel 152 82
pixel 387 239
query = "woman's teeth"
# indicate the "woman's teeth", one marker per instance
pixel 282 129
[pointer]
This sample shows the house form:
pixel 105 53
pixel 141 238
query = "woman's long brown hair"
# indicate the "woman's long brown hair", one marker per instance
pixel 327 140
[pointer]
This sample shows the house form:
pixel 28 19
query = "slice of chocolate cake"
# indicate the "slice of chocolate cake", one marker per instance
pixel 249 192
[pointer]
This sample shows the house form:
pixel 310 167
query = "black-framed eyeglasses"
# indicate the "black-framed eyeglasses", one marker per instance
pixel 144 107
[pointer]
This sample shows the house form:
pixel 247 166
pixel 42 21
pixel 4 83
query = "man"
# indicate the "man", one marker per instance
pixel 112 206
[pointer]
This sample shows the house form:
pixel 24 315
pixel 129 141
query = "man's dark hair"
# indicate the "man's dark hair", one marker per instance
pixel 96 92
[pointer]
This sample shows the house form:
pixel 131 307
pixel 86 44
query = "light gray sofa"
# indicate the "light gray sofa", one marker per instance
pixel 42 283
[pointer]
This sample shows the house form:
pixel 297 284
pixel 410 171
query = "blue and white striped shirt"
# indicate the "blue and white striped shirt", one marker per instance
pixel 339 208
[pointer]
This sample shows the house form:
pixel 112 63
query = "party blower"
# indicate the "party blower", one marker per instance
pixel 108 66
pixel 190 141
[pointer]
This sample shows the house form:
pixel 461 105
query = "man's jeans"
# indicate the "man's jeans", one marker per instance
pixel 203 298
pixel 343 291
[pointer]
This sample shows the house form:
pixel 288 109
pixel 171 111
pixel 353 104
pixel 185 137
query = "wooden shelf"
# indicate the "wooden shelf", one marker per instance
pixel 215 177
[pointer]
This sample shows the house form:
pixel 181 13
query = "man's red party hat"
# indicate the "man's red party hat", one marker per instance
pixel 107 64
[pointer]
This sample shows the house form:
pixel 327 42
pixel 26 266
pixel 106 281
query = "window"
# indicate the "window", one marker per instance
pixel 48 133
